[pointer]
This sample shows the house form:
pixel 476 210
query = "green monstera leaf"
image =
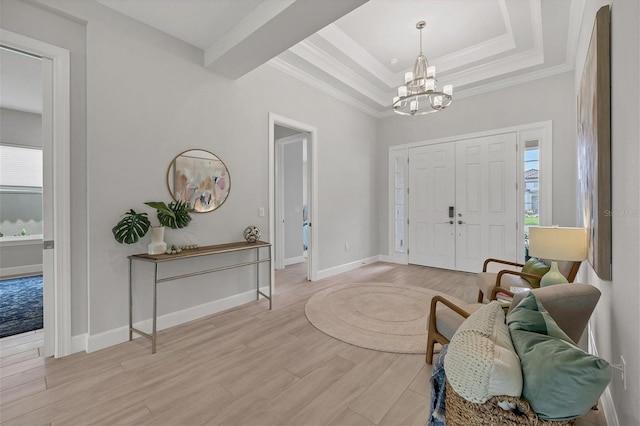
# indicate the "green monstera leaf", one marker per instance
pixel 175 215
pixel 131 228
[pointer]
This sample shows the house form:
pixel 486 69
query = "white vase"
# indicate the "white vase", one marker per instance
pixel 157 246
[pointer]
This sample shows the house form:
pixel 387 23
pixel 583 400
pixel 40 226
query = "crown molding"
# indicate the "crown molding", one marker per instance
pixel 575 22
pixel 327 63
pixel 477 52
pixel 514 81
pixel 519 61
pixel 342 42
pixel 312 81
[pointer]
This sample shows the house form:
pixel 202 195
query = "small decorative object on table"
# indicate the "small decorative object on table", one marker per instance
pixel 174 249
pixel 252 234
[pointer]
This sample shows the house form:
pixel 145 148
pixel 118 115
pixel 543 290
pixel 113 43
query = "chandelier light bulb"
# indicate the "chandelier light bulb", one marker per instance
pixel 414 106
pixel 408 76
pixel 431 85
pixel 448 89
pixel 402 91
pixel 431 72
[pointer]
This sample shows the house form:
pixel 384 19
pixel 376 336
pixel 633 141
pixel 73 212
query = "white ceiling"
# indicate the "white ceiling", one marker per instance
pixel 359 50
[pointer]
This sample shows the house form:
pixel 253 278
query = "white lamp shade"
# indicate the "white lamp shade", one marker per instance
pixel 557 243
pixel 408 76
pixel 431 84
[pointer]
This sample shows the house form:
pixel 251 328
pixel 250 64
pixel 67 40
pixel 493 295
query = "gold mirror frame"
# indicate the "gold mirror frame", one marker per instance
pixel 199 178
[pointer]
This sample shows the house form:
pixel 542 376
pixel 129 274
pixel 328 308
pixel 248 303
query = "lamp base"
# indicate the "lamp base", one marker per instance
pixel 553 276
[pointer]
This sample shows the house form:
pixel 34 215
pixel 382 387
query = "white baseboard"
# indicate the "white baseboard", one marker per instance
pixel 326 273
pixel 20 270
pixel 294 260
pixel 79 343
pixel 121 334
pixel 384 258
pixel 608 406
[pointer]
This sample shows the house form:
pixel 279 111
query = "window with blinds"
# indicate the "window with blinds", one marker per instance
pixel 20 191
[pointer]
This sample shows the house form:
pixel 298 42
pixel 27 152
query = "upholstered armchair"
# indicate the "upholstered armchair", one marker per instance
pixel 570 305
pixel 506 278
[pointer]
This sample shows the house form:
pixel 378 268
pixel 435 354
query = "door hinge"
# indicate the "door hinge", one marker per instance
pixel 516 186
pixel 407 190
pixel 407 221
pixel 407 251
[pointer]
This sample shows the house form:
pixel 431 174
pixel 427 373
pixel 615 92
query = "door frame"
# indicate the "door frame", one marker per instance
pixel 543 131
pixel 56 127
pixel 312 175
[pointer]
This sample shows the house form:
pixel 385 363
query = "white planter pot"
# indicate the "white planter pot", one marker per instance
pixel 157 246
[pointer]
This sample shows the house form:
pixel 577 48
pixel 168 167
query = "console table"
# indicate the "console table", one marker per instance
pixel 158 259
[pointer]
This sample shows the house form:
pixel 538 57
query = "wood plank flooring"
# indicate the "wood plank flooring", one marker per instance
pixel 245 366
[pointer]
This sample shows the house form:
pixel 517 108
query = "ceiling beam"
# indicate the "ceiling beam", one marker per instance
pixel 269 30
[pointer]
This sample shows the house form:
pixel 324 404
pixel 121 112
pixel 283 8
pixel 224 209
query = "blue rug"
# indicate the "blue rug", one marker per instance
pixel 20 305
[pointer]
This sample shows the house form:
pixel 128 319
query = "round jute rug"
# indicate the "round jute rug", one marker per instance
pixel 381 316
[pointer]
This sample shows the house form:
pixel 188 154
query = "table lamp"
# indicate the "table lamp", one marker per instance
pixel 556 243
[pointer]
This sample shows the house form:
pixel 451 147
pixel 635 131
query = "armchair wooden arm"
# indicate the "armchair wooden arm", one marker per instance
pixel 433 335
pixel 504 262
pixel 496 290
pixel 499 280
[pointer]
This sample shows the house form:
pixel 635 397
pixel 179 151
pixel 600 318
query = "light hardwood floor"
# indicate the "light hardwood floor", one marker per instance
pixel 245 366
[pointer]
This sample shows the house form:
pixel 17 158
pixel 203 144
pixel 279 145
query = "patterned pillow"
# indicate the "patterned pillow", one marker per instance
pixel 481 361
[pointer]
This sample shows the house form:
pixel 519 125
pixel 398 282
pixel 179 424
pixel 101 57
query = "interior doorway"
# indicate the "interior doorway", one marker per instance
pixel 56 253
pixel 21 201
pixel 292 194
pixel 292 197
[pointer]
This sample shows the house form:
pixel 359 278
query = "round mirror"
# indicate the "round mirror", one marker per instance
pixel 200 179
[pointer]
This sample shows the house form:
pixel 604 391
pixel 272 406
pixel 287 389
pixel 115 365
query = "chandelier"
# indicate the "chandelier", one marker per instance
pixel 419 94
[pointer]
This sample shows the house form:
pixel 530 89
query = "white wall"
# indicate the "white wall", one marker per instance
pixel 551 98
pixel 31 21
pixel 616 319
pixel 149 98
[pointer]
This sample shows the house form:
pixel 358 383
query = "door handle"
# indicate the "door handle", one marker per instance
pixel 460 222
pixel 450 222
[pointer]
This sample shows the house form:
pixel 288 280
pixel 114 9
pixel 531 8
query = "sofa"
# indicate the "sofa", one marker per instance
pixel 519 368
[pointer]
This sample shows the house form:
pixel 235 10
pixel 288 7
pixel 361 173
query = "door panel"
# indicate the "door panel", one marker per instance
pixel 432 191
pixel 485 200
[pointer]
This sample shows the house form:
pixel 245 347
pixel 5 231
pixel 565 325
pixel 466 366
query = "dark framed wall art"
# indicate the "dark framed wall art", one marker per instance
pixel 594 146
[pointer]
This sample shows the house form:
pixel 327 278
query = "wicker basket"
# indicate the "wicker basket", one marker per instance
pixel 461 412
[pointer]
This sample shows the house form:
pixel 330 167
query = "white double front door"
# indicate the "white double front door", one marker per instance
pixel 463 202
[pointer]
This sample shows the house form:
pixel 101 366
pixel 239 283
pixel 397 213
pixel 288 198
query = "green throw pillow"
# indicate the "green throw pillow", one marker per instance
pixel 530 315
pixel 560 381
pixel 536 267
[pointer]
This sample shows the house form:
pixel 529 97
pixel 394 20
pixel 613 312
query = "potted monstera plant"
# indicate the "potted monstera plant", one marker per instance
pixel 134 225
